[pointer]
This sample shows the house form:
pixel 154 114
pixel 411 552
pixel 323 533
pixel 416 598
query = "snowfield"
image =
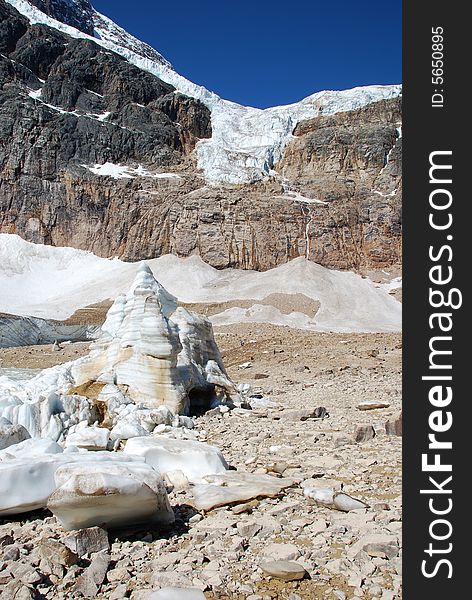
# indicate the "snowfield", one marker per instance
pixel 247 142
pixel 52 283
pixel 125 172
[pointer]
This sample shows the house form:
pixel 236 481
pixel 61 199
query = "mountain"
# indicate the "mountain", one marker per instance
pixel 104 147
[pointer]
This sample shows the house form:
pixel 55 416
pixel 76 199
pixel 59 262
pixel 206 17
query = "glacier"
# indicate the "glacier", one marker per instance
pixel 247 142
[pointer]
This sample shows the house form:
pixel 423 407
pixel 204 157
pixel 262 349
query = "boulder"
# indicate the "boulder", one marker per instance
pixel 364 433
pixel 232 487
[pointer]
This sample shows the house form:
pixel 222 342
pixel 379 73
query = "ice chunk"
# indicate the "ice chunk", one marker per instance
pixel 27 482
pixel 109 494
pixel 31 448
pixel 194 459
pixel 90 438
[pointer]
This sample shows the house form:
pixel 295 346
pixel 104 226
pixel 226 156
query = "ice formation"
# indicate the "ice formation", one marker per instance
pixel 29 331
pixel 151 362
pixel 154 352
pixel 246 142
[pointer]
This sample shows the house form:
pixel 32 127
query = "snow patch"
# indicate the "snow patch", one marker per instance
pixel 52 282
pixel 117 171
pixel 297 197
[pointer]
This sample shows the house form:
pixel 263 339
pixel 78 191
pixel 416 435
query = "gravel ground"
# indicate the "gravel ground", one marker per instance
pixel 346 555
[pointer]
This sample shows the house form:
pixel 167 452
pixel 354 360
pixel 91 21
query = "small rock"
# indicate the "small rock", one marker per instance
pixel 281 552
pixel 6 539
pixel 195 519
pixel 278 467
pixel 294 414
pixel 342 440
pixel 364 433
pixel 18 591
pixel 170 579
pixel 186 422
pixel 87 541
pixel 247 507
pixel 176 480
pixel 381 550
pixel 379 506
pixel 394 426
pixel 118 574
pixel 119 592
pixel 284 569
pixel 372 405
pixel 318 526
pixel 56 552
pixel 248 529
pixel 11 552
pixel 25 573
pixel 89 583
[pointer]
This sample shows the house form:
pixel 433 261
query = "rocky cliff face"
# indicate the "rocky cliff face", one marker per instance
pixel 352 162
pixel 98 154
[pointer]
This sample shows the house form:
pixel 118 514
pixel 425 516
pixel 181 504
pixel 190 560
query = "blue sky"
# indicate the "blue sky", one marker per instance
pixel 268 52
